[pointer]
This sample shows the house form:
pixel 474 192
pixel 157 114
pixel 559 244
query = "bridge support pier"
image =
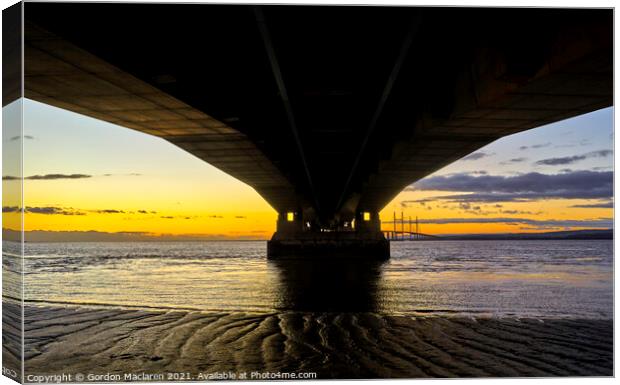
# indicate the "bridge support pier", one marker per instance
pixel 294 240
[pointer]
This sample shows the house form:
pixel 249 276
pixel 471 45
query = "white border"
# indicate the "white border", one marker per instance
pixel 478 3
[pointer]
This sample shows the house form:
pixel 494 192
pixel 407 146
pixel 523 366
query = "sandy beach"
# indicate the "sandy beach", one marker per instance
pixel 334 345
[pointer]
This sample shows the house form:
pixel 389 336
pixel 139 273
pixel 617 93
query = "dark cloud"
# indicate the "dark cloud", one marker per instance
pixel 146 212
pixel 30 137
pixel 240 217
pixel 540 145
pixel 178 217
pixel 57 176
pixel 519 212
pixel 601 205
pixel 561 161
pixel 477 155
pixel 52 210
pixel 48 177
pixel 471 209
pixel 574 158
pixel 422 202
pixel 465 206
pixel 215 216
pixel 523 187
pixel 129 174
pixel 514 160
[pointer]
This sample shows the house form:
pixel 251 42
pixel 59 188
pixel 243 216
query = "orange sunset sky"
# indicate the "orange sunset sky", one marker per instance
pixel 83 174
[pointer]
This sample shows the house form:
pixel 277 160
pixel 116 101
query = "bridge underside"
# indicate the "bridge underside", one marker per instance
pixel 328 112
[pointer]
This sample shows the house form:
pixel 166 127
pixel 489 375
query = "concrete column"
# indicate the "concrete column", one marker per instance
pixel 293 241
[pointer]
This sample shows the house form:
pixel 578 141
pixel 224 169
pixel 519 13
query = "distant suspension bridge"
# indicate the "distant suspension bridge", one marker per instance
pixel 399 233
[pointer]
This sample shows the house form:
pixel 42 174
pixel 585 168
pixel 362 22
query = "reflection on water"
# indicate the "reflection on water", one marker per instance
pixel 327 285
pixel 522 278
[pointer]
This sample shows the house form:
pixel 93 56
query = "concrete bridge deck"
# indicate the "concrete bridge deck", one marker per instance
pixel 328 112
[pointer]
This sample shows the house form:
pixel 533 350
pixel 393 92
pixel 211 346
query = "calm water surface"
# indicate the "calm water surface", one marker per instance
pixel 499 278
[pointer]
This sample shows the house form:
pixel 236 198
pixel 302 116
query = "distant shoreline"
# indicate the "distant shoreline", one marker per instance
pixel 554 235
pixel 39 236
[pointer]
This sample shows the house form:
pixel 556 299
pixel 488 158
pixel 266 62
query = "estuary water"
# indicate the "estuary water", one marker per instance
pixel 539 279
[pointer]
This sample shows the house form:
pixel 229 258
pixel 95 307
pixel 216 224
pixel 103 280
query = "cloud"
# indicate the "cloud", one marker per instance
pixel 51 210
pixel 240 217
pixel 129 174
pixel 178 216
pixel 514 160
pixel 522 187
pixel 477 155
pixel 45 210
pixel 215 216
pixel 30 137
pixel 423 202
pixel 601 205
pixel 574 158
pixel 519 212
pixel 540 145
pixel 465 206
pixel 48 177
pixel 57 176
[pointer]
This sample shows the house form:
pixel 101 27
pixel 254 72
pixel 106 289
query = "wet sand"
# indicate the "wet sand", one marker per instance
pixel 334 345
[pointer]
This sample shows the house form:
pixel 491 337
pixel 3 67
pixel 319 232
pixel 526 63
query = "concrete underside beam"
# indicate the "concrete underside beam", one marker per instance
pixel 491 107
pixel 63 75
